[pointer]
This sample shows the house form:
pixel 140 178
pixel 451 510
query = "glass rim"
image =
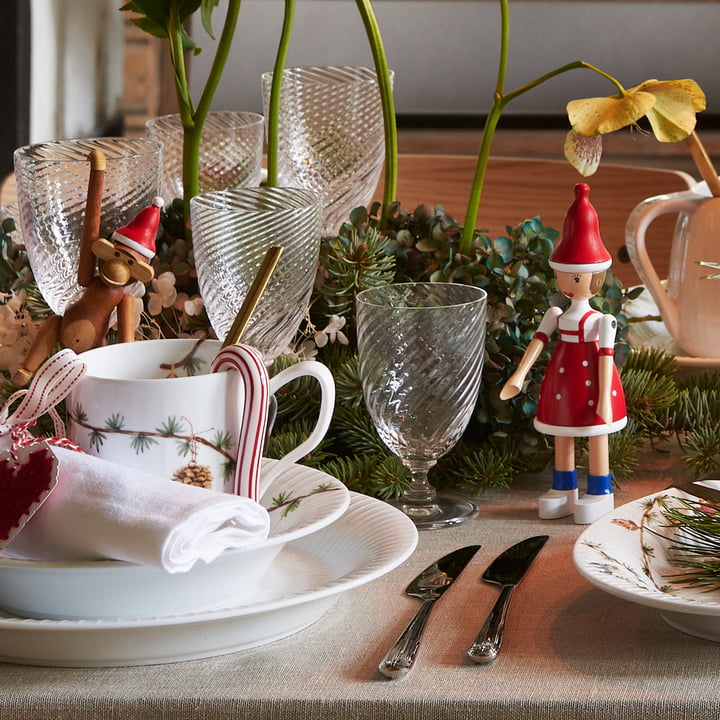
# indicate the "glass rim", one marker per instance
pixel 58 151
pixel 324 73
pixel 228 200
pixel 364 296
pixel 253 118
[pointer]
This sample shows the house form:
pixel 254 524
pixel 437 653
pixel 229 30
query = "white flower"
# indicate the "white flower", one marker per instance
pixel 306 351
pixel 163 293
pixel 193 306
pixel 17 331
pixel 332 332
pixel 187 307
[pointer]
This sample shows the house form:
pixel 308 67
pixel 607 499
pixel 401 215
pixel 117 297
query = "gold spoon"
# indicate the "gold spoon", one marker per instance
pixel 253 296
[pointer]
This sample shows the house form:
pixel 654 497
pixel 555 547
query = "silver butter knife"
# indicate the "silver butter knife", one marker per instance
pixel 428 586
pixel 506 570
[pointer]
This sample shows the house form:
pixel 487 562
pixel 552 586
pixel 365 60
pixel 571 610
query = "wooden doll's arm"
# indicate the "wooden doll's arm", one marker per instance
pixel 548 324
pixel 608 328
pixel 91 221
pixel 514 385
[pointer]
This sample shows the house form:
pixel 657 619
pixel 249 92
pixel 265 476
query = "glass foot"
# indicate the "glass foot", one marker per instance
pixel 446 510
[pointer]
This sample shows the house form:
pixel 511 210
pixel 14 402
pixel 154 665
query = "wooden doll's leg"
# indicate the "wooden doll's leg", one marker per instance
pixel 599 498
pixel 41 348
pixel 599 455
pixel 560 500
pixel 564 453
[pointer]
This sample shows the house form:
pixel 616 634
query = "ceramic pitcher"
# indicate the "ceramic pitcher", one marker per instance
pixel 689 302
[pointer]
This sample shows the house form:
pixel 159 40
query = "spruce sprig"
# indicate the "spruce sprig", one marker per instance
pixel 695 546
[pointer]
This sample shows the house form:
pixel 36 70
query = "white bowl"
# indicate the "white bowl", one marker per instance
pixel 110 589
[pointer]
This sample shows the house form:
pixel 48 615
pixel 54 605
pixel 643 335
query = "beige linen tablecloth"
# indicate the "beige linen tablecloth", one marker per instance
pixel 570 652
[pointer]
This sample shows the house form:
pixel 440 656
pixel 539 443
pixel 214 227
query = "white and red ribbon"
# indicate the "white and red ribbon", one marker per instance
pixel 51 384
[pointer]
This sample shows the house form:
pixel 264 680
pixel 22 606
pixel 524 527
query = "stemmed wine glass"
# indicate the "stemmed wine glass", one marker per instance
pixel 421 351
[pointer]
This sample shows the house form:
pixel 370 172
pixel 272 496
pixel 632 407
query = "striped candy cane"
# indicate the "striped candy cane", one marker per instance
pixel 254 384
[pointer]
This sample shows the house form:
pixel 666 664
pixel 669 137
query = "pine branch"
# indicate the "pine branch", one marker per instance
pixel 353 261
pixel 357 432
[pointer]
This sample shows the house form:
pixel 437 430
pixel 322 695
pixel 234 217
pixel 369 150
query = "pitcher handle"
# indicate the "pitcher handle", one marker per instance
pixel 325 378
pixel 635 230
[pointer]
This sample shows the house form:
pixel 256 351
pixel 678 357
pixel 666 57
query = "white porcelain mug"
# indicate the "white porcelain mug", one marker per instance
pixel 187 410
pixel 689 304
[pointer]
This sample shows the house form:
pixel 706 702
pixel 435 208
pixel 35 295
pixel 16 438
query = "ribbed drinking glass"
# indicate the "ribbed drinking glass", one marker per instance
pixel 421 351
pixel 52 183
pixel 232 230
pixel 231 150
pixel 330 135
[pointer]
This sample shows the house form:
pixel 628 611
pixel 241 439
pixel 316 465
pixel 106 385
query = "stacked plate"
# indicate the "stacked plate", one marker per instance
pixel 323 541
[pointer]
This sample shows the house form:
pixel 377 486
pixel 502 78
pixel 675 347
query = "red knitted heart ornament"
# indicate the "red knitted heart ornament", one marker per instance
pixel 27 476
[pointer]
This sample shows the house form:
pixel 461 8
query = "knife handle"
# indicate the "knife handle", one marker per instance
pixel 487 644
pixel 401 657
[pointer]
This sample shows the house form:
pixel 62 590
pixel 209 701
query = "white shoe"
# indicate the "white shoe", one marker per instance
pixel 557 503
pixel 589 508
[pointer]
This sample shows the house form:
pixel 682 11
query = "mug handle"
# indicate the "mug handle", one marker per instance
pixel 320 372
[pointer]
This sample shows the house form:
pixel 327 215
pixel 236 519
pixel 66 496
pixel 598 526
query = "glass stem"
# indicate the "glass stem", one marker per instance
pixel 420 498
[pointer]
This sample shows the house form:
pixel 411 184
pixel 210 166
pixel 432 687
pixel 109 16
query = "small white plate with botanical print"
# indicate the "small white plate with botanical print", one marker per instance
pixel 625 553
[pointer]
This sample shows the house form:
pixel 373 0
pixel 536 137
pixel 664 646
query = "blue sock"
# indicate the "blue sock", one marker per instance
pixel 599 484
pixel 564 479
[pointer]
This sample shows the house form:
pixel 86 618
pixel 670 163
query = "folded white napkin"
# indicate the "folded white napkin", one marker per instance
pixel 100 510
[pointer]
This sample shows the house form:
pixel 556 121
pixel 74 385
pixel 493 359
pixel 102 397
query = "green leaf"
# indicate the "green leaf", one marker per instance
pixel 503 246
pixel 206 14
pixel 151 27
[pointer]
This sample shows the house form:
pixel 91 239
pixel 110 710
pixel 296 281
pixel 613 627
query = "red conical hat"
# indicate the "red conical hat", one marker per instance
pixel 581 248
pixel 140 233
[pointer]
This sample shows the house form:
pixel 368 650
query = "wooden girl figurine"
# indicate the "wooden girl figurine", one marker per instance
pixel 581 394
pixel 123 260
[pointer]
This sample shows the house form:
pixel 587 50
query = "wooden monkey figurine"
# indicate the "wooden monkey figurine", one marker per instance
pixel 122 260
pixel 581 394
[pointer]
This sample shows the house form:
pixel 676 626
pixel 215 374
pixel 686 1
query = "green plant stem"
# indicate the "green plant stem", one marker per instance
pixel 194 120
pixel 500 101
pixel 388 106
pixel 177 58
pixel 273 119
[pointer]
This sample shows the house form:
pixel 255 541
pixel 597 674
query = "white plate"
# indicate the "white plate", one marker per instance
pixel 619 555
pixel 110 589
pixel 303 582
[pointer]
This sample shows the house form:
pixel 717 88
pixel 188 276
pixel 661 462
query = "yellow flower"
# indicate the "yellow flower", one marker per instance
pixel 672 118
pixel 597 116
pixel 669 106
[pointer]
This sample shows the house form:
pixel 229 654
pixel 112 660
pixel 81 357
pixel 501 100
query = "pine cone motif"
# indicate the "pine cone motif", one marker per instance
pixel 194 474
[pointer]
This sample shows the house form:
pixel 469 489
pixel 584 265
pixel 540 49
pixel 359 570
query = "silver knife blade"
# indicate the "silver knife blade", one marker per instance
pixel 428 586
pixel 507 570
